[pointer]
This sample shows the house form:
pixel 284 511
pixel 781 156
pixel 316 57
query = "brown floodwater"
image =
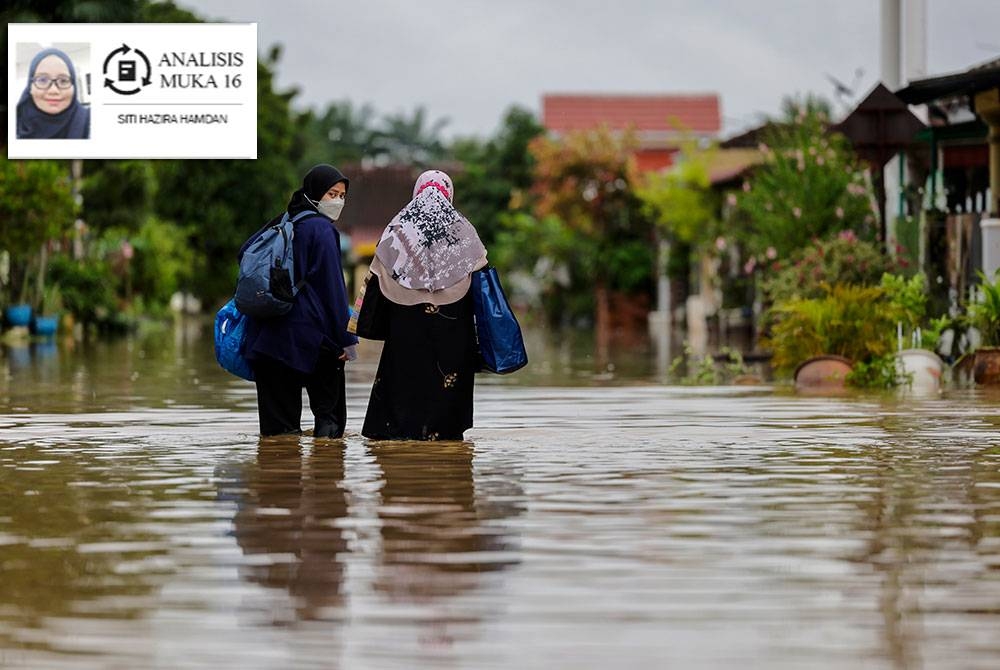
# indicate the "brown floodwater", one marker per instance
pixel 594 518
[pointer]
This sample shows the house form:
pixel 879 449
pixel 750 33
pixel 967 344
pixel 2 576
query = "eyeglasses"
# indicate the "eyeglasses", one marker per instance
pixel 43 82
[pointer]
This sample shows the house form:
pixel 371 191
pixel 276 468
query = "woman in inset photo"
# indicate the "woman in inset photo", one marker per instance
pixel 49 107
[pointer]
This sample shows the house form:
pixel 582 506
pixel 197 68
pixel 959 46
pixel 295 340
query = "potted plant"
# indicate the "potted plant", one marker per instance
pixel 822 340
pixel 918 364
pixel 46 320
pixel 17 315
pixel 984 316
pixel 36 205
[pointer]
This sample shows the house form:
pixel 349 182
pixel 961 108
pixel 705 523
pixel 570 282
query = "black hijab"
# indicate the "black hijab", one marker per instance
pixel 32 123
pixel 315 185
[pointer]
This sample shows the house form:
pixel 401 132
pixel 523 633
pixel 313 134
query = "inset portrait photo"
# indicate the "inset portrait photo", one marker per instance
pixel 55 102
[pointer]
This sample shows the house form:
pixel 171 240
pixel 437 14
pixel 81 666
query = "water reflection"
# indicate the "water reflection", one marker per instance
pixel 436 541
pixel 928 521
pixel 289 522
pixel 70 545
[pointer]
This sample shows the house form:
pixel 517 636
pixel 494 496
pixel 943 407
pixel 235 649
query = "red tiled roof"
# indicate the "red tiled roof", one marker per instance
pixel 695 113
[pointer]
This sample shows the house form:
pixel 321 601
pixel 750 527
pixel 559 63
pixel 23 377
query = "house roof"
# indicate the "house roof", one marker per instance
pixel 880 126
pixel 979 78
pixel 749 138
pixel 697 113
pixel 728 165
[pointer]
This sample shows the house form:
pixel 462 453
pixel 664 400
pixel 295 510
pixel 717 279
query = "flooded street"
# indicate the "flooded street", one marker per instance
pixel 591 520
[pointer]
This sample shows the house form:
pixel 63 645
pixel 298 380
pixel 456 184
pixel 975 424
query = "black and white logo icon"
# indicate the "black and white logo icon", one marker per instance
pixel 122 70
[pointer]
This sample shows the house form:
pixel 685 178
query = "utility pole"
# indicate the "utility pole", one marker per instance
pixel 904 58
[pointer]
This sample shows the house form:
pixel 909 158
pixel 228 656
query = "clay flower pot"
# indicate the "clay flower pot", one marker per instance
pixel 822 373
pixel 986 366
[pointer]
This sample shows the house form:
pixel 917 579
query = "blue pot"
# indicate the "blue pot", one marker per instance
pixel 45 325
pixel 18 315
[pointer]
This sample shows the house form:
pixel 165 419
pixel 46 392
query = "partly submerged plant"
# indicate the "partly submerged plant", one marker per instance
pixel 880 372
pixel 708 370
pixel 855 322
pixel 985 314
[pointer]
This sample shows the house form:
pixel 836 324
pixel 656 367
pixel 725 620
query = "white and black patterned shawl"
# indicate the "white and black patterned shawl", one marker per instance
pixel 429 246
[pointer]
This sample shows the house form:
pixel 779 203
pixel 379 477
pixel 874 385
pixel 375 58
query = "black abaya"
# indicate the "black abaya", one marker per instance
pixel 424 384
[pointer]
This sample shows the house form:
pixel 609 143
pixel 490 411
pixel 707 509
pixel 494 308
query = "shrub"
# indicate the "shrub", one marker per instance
pixel 985 314
pixel 856 322
pixel 813 270
pixel 163 261
pixel 86 288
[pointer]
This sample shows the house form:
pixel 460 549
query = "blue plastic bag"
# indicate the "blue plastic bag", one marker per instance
pixel 230 330
pixel 501 345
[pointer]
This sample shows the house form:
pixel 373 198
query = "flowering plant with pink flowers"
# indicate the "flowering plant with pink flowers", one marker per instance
pixel 840 259
pixel 810 186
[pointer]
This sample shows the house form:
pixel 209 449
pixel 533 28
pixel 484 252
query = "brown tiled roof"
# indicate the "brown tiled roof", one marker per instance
pixel 727 165
pixel 697 113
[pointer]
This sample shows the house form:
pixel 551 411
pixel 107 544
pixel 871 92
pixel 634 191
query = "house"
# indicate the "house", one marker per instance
pixel 964 109
pixel 659 121
pixel 376 195
pixel 963 143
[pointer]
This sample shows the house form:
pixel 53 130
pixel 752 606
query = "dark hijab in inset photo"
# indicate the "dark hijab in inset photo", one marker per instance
pixel 315 184
pixel 72 123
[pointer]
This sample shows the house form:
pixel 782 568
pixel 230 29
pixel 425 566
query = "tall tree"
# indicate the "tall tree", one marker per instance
pixel 585 179
pixel 409 140
pixel 221 202
pixel 340 134
pixel 496 171
pixel 36 204
pixel 118 194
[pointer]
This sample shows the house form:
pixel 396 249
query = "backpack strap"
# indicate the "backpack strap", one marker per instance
pixel 295 219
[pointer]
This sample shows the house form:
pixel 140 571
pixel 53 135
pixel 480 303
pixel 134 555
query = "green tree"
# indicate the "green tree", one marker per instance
pixel 118 194
pixel 584 180
pixel 681 204
pixel 813 270
pixel 219 203
pixel 340 134
pixel 409 140
pixel 36 205
pixel 810 186
pixel 496 174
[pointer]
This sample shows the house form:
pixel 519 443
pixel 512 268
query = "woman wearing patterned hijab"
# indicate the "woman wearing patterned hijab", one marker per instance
pixel 418 290
pixel 49 107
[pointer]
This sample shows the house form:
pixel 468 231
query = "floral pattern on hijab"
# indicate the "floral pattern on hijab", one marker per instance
pixel 435 179
pixel 429 245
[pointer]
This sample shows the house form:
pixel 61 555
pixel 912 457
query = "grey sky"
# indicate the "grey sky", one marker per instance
pixel 468 60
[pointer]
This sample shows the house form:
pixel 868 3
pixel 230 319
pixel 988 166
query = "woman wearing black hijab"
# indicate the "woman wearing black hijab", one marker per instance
pixel 307 347
pixel 49 107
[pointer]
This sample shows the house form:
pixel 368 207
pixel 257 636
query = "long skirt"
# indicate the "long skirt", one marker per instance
pixel 424 384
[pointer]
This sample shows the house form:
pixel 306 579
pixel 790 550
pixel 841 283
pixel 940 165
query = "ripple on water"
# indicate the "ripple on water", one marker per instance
pixel 588 527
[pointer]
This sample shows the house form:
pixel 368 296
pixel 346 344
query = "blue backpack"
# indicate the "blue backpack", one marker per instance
pixel 264 289
pixel 230 330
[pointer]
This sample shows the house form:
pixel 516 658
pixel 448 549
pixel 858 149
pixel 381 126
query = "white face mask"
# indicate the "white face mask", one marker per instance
pixel 331 208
